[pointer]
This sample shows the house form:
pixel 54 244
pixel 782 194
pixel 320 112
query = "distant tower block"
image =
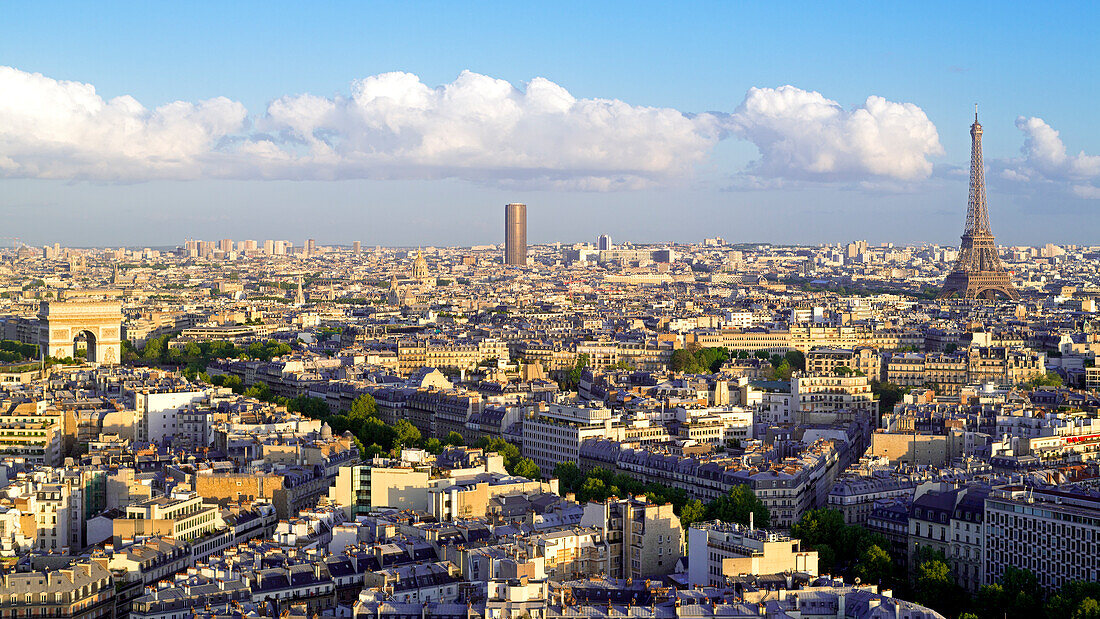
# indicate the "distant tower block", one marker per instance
pixel 515 234
pixel 603 242
pixel 100 323
pixel 978 272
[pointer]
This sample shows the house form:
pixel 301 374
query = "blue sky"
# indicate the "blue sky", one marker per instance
pixel 760 168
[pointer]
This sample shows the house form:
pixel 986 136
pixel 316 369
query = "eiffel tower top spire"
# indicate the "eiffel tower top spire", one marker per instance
pixel 977 212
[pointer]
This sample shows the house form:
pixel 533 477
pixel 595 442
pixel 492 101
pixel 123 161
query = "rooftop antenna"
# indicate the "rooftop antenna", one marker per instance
pixel 975 112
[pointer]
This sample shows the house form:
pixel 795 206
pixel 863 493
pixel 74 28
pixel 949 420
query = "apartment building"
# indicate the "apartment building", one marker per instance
pixel 831 361
pixel 950 372
pixel 642 539
pixel 32 431
pixel 719 550
pixel 555 433
pixel 181 516
pixel 84 590
pixel 822 394
pixel 363 488
pixel 569 552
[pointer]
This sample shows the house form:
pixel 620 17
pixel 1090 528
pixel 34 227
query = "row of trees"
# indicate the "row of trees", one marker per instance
pixel 598 484
pixel 202 353
pixel 698 360
pixel 375 437
pixel 853 551
pixel 12 351
pixel 1049 379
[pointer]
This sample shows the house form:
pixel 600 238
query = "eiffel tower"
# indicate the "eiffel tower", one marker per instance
pixel 978 272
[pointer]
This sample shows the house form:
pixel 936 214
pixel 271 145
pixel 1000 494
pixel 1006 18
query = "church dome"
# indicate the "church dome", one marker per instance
pixel 420 267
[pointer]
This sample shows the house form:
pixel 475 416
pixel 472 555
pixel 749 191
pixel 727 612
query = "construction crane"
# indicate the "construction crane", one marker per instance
pixel 16 242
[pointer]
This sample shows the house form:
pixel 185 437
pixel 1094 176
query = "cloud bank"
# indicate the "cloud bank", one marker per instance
pixel 61 129
pixel 802 135
pixel 389 126
pixel 1045 161
pixel 486 130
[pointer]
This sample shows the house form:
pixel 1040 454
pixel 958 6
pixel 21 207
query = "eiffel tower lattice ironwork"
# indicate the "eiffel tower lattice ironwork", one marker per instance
pixel 978 272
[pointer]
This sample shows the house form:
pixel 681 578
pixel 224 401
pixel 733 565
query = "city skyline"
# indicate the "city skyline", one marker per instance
pixel 271 348
pixel 414 136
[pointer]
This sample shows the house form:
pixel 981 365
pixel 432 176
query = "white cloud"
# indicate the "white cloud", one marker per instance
pixel 802 135
pixel 482 128
pixel 61 129
pixel 475 128
pixel 1045 160
pixel 390 126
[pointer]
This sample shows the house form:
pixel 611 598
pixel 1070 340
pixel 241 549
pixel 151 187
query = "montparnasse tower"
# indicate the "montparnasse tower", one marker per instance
pixel 978 272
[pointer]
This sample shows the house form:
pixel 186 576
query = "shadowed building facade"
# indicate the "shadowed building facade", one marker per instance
pixel 515 234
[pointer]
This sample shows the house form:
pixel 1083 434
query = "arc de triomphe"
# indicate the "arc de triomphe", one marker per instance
pixel 100 322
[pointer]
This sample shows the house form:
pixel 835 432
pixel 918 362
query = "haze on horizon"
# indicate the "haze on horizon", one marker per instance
pixel 402 126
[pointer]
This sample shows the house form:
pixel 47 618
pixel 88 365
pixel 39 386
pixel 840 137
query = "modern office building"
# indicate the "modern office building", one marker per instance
pixel 1055 534
pixel 603 242
pixel 515 234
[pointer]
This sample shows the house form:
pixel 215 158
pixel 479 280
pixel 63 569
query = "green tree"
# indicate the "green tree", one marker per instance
pixel 363 406
pixel 888 395
pixel 1050 379
pixel 373 431
pixel 935 587
pixel 1070 597
pixel 154 349
pixel 192 352
pixel 260 391
pixel 508 451
pixel 711 359
pixel 682 361
pixel 818 526
pixel 796 359
pixel 782 371
pixel 406 434
pixel 578 367
pixel 737 505
pixel 594 488
pixel 875 565
pixel 1088 608
pixel 526 467
pixel 433 446
pixel 568 475
pixel 693 511
pixel 314 408
pixel 454 439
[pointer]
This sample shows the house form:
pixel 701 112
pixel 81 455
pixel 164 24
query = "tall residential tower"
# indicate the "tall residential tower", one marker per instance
pixel 515 234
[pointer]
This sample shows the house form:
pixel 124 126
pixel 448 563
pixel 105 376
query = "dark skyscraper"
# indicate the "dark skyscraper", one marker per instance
pixel 978 272
pixel 515 234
